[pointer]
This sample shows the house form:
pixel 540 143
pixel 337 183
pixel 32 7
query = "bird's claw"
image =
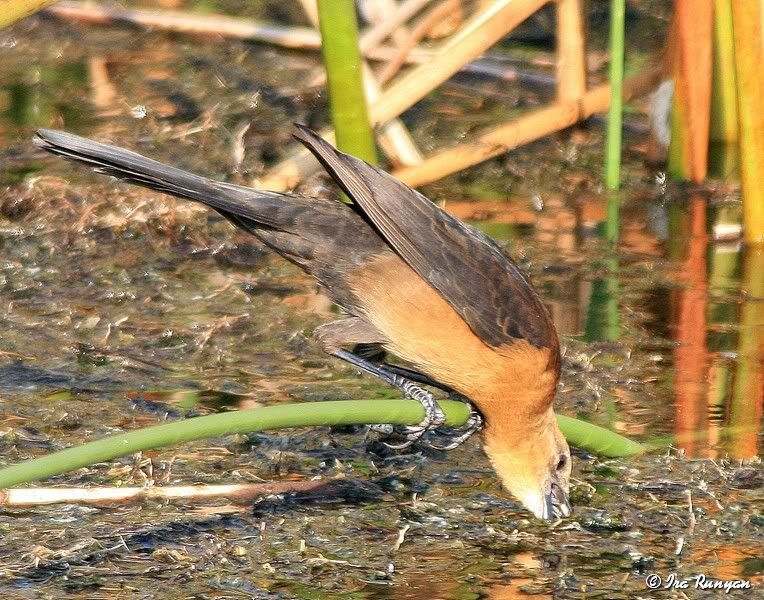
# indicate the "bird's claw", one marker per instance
pixel 382 428
pixel 458 435
pixel 434 417
pixel 433 421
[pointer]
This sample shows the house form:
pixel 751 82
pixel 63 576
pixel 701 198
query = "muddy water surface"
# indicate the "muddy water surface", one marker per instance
pixel 120 309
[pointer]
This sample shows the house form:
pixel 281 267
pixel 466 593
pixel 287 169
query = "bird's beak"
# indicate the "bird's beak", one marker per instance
pixel 556 504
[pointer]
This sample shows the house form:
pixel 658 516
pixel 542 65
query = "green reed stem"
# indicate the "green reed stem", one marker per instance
pixel 342 60
pixel 312 414
pixel 615 114
pixel 596 439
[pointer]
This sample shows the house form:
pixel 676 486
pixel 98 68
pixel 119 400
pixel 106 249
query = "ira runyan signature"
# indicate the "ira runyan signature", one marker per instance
pixel 697 582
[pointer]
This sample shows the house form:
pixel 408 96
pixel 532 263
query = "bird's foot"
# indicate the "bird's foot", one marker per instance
pixel 434 418
pixel 456 436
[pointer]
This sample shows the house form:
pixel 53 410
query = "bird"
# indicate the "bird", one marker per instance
pixel 412 281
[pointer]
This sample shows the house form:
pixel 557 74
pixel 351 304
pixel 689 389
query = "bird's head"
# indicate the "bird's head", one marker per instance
pixel 533 463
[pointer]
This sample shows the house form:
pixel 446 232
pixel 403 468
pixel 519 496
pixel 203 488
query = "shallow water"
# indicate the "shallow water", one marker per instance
pixel 120 308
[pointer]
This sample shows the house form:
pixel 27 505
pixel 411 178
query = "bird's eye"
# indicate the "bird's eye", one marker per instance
pixel 561 462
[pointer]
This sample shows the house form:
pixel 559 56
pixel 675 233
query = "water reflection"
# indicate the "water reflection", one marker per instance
pixel 748 394
pixel 603 320
pixel 719 357
pixel 524 576
pixel 708 302
pixel 521 585
pixel 689 308
pixel 723 314
pixel 677 290
pixel 33 99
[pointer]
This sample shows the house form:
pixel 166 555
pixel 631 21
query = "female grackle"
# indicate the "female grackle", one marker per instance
pixel 413 281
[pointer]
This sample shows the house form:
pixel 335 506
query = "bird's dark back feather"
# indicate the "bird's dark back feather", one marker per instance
pixel 469 269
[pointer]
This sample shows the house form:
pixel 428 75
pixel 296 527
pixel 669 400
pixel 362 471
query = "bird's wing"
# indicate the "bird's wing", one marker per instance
pixel 469 270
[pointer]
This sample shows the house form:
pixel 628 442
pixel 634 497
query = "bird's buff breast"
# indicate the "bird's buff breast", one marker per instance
pixel 425 331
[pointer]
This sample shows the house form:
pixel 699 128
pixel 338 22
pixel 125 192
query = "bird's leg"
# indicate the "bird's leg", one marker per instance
pixel 368 355
pixel 456 436
pixel 433 415
pixel 417 377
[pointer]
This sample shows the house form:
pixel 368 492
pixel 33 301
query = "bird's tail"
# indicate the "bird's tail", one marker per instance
pixel 232 200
